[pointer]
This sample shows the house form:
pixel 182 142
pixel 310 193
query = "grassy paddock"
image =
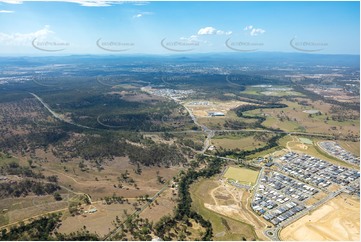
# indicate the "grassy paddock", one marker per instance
pixel 243 143
pixel 243 175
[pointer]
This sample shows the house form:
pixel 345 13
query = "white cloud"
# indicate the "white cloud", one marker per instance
pixel 254 31
pixel 192 38
pixel 205 31
pixel 195 39
pixel 212 31
pixel 6 11
pixel 86 3
pixel 91 3
pixel 139 15
pixel 248 27
pixel 11 1
pixel 24 39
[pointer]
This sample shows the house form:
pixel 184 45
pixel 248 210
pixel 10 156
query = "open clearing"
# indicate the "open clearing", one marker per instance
pixel 99 222
pixel 311 111
pixel 270 90
pixel 162 206
pixel 105 183
pixel 243 143
pixel 224 227
pixel 201 108
pixel 242 175
pixel 22 208
pixel 353 147
pixel 326 224
pixel 98 184
pixel 293 118
pixel 306 141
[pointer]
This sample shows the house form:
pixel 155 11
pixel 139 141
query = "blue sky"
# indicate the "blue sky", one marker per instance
pixel 113 27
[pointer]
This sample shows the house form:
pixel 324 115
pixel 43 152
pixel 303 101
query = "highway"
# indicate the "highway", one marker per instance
pixel 205 129
pixel 56 115
pixel 272 233
pixel 210 133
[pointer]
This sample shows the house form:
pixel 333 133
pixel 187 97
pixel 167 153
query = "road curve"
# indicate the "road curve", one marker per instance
pixel 56 115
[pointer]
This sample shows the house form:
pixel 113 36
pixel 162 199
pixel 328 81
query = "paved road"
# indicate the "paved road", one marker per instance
pixel 277 131
pixel 250 130
pixel 56 115
pixel 206 130
pixel 210 133
pixel 207 142
pixel 276 230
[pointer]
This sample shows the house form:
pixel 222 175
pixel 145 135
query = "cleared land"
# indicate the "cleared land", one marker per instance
pixel 99 222
pixel 163 205
pixel 338 94
pixel 353 147
pixel 269 90
pixel 224 228
pixel 105 183
pixel 326 224
pixel 243 143
pixel 306 141
pixel 98 184
pixel 293 118
pixel 242 175
pixel 201 108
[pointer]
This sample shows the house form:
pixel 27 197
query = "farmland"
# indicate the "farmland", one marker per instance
pixel 292 118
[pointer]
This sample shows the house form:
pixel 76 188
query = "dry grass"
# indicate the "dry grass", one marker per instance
pixel 26 207
pixel 242 143
pixel 300 121
pixel 105 183
pixel 99 222
pixel 164 205
pixel 353 147
pixel 97 184
pixel 225 227
pixel 242 175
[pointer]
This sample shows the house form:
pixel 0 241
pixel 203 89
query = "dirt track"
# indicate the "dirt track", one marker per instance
pixel 234 203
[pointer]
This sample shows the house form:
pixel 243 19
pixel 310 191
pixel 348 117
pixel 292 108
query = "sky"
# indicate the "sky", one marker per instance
pixel 133 27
